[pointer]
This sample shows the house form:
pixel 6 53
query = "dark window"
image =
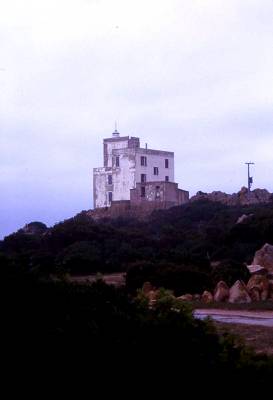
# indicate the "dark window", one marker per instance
pixel 117 161
pixel 143 161
pixel 110 180
pixel 166 178
pixel 110 197
pixel 143 178
pixel 142 191
pixel 155 170
pixel 166 163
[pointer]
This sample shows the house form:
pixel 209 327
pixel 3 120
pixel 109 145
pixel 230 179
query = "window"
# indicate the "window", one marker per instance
pixel 142 191
pixel 166 179
pixel 143 178
pixel 143 161
pixel 110 180
pixel 110 197
pixel 117 161
pixel 166 163
pixel 155 170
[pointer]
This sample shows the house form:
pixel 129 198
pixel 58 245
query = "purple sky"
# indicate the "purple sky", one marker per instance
pixel 194 77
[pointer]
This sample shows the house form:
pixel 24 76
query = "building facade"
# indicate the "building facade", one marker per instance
pixel 131 173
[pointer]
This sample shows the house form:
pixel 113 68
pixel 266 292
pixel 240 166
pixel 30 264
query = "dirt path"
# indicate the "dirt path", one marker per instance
pixel 259 318
pixel 254 327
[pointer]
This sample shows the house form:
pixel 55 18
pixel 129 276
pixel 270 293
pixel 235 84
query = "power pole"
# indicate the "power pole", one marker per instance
pixel 249 178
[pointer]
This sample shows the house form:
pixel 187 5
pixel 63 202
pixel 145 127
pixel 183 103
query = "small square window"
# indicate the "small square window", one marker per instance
pixel 156 171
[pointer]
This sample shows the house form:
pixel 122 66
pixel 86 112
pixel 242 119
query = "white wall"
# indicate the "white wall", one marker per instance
pixel 124 176
pixel 99 189
pixel 154 160
pixel 120 144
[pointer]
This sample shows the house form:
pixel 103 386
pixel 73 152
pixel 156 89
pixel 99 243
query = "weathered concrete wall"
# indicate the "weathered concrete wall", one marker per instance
pixel 126 174
pixel 127 210
pixel 183 196
pixel 112 144
pixel 159 192
pixel 123 178
pixel 100 180
pixel 123 175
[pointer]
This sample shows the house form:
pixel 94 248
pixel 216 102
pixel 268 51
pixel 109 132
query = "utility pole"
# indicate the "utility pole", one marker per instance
pixel 249 178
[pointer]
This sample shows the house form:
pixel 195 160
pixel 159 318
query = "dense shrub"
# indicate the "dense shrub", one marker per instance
pixel 103 324
pixel 178 246
pixel 229 271
pixel 180 279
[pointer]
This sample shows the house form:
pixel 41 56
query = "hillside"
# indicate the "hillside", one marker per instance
pixel 185 248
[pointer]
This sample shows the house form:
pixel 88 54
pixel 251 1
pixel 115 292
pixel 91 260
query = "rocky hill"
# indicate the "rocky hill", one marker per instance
pixel 187 248
pixel 125 210
pixel 257 196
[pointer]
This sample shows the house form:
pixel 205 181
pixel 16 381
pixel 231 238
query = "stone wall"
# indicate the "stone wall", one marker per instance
pixel 161 194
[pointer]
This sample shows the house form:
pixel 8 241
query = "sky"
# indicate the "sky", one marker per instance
pixel 194 77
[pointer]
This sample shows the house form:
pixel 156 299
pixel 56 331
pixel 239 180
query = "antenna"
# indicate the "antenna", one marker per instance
pixel 249 178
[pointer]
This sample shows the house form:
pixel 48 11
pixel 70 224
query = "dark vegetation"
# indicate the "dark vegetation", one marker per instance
pixel 258 338
pixel 186 249
pixel 115 333
pixel 177 249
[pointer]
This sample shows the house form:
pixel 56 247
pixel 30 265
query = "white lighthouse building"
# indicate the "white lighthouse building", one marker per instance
pixel 135 174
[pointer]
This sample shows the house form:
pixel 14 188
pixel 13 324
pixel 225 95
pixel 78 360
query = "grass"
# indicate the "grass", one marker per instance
pixel 259 338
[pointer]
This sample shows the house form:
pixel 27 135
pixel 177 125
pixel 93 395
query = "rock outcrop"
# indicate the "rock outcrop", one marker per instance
pixel 34 228
pixel 264 258
pixel 257 269
pixel 238 293
pixel 257 196
pixel 207 297
pixel 185 297
pixel 258 287
pixel 221 292
pixel 244 218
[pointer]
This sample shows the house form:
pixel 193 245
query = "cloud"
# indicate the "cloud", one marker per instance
pixel 190 76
